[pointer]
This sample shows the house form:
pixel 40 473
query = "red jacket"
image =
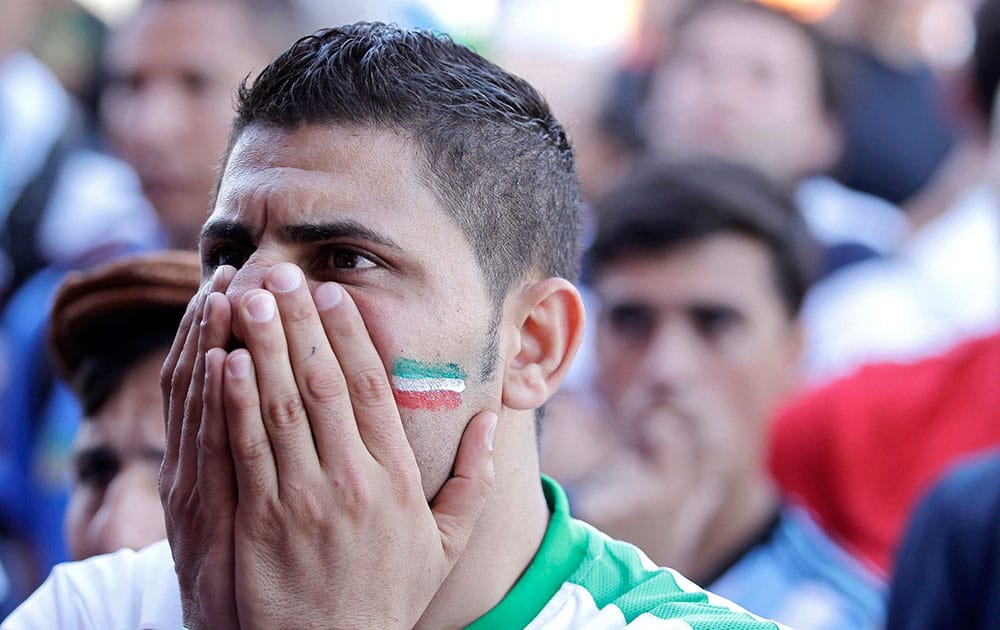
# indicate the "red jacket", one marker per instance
pixel 862 450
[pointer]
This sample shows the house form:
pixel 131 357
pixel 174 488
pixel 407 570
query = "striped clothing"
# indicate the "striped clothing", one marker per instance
pixel 579 578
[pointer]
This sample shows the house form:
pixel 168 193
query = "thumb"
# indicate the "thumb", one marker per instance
pixel 459 503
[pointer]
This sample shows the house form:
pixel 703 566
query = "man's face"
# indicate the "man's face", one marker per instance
pixel 348 205
pixel 117 454
pixel 744 87
pixel 695 348
pixel 172 72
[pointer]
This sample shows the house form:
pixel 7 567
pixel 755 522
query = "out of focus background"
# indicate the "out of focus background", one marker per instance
pixel 800 468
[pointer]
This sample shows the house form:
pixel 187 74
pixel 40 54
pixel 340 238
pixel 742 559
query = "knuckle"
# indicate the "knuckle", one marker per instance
pixel 354 494
pixel 210 445
pixel 177 382
pixel 251 451
pixel 324 385
pixel 285 411
pixel 298 312
pixel 310 506
pixel 369 387
pixel 166 376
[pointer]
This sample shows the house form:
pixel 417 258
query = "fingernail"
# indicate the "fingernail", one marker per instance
pixel 285 278
pixel 239 366
pixel 261 307
pixel 491 433
pixel 328 295
pixel 207 313
pixel 216 279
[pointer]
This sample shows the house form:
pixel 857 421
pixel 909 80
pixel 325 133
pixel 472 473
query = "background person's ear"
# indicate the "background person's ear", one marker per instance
pixel 548 316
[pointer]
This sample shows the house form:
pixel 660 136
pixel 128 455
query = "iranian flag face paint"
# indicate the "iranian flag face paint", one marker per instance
pixel 431 386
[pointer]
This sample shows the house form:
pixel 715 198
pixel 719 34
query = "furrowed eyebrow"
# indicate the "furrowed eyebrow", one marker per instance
pixel 309 233
pixel 227 230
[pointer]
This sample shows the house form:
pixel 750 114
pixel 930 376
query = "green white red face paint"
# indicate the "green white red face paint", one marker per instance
pixel 431 386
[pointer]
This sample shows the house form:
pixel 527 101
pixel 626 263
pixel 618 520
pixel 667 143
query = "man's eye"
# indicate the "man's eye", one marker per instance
pixel 349 259
pixel 631 321
pixel 220 255
pixel 96 469
pixel 712 322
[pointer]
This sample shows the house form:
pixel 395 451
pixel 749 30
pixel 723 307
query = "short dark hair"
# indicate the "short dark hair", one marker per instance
pixel 665 206
pixel 828 68
pixel 494 155
pixel 986 56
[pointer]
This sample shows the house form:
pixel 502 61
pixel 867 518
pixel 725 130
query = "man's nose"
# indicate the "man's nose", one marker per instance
pixel 130 515
pixel 248 277
pixel 673 356
pixel 156 118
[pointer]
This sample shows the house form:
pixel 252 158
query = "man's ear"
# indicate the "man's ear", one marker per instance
pixel 548 318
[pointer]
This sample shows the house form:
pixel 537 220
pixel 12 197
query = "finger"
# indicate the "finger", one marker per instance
pixel 177 367
pixel 213 332
pixel 280 404
pixel 171 375
pixel 318 373
pixel 253 460
pixel 215 461
pixel 375 410
pixel 460 502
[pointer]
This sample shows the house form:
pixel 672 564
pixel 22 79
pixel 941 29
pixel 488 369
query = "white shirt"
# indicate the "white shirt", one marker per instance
pixel 143 584
pixel 941 288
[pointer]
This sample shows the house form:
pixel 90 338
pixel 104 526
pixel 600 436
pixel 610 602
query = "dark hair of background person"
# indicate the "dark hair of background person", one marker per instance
pixel 986 56
pixel 494 155
pixel 662 207
pixel 115 345
pixel 829 69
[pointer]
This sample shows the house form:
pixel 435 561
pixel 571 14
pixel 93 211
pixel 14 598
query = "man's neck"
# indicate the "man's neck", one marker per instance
pixel 739 520
pixel 506 538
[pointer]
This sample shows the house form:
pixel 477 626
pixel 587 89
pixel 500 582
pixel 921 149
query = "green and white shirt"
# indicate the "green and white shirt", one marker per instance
pixel 580 578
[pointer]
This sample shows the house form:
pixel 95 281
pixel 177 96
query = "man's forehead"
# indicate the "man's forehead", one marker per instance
pixel 317 179
pixel 201 34
pixel 324 147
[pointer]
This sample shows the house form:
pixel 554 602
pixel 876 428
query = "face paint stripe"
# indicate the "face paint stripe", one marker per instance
pixel 427 384
pixel 432 401
pixel 411 368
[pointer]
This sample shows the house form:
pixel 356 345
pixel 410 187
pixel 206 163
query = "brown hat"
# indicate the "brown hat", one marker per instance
pixel 109 316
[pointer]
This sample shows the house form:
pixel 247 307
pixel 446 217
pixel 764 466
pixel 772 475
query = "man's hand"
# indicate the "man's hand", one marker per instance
pixel 663 495
pixel 332 528
pixel 197 485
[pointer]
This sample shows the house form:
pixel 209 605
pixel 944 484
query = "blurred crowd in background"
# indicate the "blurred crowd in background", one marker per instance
pixel 792 275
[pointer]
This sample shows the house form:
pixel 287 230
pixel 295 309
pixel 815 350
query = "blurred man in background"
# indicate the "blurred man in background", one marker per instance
pixel 862 449
pixel 752 84
pixel 111 329
pixel 172 72
pixel 59 198
pixel 700 269
pixel 173 68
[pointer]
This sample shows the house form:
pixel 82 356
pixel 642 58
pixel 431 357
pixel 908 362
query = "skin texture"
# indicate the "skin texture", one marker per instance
pixel 296 492
pixel 695 351
pixel 17 22
pixel 173 70
pixel 117 454
pixel 744 87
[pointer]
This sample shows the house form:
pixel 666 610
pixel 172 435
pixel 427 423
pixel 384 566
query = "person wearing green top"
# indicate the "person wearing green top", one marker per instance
pixel 351 398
